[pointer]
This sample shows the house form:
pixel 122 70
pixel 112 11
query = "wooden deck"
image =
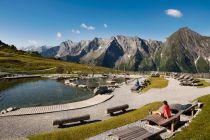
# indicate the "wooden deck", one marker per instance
pixel 22 76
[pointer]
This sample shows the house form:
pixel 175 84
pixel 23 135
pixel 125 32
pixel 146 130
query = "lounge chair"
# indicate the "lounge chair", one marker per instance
pixel 136 133
pixel 186 108
pixel 189 83
pixel 181 77
pixel 161 121
pixel 186 77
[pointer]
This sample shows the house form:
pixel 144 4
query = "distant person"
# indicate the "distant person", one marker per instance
pixel 166 112
pixel 136 86
pixel 137 83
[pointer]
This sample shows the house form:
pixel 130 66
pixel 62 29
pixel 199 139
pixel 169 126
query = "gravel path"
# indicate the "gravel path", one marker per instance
pixel 14 127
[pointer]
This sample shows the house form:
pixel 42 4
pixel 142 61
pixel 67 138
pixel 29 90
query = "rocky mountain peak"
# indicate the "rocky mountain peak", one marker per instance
pixel 185 34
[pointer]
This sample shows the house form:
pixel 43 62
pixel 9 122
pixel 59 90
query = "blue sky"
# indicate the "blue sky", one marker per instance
pixel 49 22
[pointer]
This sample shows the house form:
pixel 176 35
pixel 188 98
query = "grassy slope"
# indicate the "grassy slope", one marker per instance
pixel 15 62
pixel 86 131
pixel 156 82
pixel 203 83
pixel 199 128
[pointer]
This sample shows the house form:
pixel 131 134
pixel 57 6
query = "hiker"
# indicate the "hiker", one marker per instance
pixel 166 110
pixel 137 83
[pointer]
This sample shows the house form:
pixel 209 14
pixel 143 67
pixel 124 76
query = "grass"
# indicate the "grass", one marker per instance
pixel 203 84
pixel 199 128
pixel 156 82
pixel 25 63
pixel 88 130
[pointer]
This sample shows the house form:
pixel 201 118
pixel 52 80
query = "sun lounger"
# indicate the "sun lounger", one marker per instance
pixel 161 121
pixel 186 108
pixel 189 83
pixel 181 77
pixel 136 133
pixel 188 77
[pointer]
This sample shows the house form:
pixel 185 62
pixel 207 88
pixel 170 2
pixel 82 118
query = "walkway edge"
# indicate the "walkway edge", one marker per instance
pixel 98 99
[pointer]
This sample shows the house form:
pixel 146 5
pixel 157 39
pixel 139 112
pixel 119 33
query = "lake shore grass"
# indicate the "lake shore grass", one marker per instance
pixel 203 84
pixel 156 82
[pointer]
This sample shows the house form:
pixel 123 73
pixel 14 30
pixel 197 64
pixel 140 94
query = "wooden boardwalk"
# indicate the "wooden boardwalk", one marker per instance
pixel 22 76
pixel 62 107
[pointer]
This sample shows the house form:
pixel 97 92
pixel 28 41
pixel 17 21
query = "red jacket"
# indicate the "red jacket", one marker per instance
pixel 166 111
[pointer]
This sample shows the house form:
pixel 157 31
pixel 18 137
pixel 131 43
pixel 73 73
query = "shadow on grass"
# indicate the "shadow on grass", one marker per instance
pixel 121 112
pixel 78 124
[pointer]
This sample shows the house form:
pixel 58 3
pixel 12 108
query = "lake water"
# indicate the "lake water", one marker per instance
pixel 41 92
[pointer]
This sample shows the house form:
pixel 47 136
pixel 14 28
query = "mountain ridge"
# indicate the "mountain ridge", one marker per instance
pixel 184 51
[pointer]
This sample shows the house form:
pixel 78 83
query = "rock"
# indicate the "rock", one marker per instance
pixel 73 84
pixel 111 82
pixel 82 86
pixel 11 109
pixel 3 111
pixel 67 82
pixel 100 90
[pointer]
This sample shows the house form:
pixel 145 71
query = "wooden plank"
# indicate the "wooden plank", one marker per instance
pixel 130 132
pixel 155 119
pixel 138 133
pixel 122 132
pixel 144 136
pixel 149 135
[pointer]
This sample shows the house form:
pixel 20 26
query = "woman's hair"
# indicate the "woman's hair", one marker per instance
pixel 165 103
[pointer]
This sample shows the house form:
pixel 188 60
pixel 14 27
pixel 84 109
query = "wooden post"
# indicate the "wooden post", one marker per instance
pixel 172 126
pixel 192 112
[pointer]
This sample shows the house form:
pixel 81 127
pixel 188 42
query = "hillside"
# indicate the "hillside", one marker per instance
pixel 13 60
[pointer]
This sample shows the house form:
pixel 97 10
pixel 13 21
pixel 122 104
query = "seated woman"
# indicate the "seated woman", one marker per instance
pixel 166 111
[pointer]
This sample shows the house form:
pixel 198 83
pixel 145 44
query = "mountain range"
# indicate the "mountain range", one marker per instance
pixel 183 51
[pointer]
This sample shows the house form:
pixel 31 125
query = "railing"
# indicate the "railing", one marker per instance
pixel 195 75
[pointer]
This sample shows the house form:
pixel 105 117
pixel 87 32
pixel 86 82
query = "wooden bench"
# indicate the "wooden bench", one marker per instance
pixel 161 121
pixel 81 119
pixel 136 133
pixel 117 108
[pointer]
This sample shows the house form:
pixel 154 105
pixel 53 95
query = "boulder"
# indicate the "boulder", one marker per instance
pixel 11 109
pixel 82 86
pixel 100 90
pixel 3 111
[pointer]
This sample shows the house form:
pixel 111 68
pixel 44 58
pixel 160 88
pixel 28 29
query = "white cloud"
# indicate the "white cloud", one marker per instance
pixel 174 13
pixel 83 25
pixel 33 42
pixel 75 31
pixel 58 35
pixel 105 25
